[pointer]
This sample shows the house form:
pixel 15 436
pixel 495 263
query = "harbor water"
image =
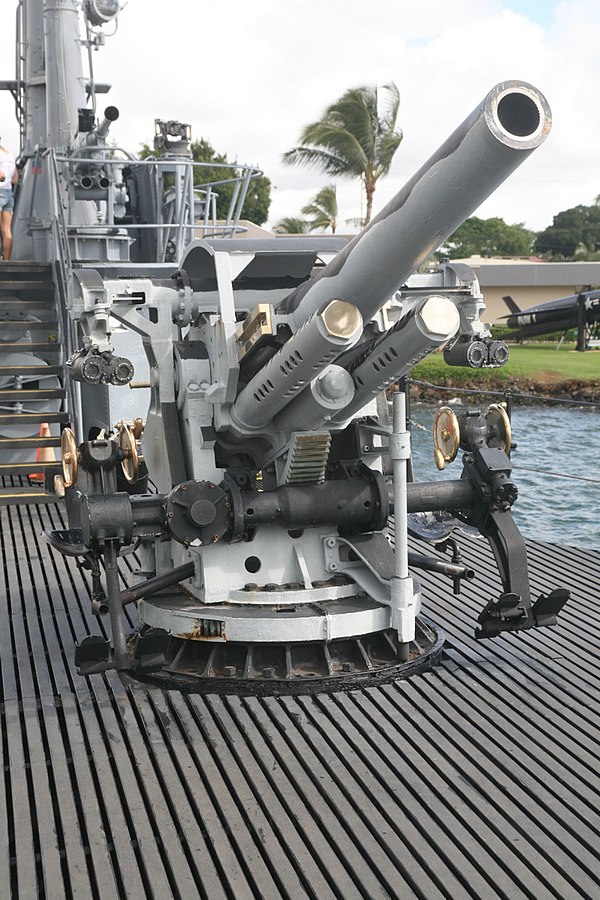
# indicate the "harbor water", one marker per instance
pixel 555 467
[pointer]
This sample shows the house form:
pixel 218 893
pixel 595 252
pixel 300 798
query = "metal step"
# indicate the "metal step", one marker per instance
pixel 27 305
pixel 24 265
pixel 24 495
pixel 20 417
pixel 31 443
pixel 42 323
pixel 31 370
pixel 20 281
pixel 27 346
pixel 38 285
pixel 25 468
pixel 35 394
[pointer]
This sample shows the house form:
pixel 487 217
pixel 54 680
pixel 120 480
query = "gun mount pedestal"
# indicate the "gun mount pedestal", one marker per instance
pixel 294 668
pixel 264 558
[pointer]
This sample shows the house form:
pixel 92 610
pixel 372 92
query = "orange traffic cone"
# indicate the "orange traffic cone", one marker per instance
pixel 43 455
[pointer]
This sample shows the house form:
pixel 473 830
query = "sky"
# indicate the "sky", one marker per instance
pixel 249 76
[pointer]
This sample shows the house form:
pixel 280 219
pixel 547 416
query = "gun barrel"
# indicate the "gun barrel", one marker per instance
pixel 513 119
pixel 328 393
pixel 387 358
pixel 326 335
pixel 111 114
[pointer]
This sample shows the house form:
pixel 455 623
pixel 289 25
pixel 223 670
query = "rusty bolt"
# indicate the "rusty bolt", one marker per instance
pixel 169 515
pixel 229 671
pixel 184 487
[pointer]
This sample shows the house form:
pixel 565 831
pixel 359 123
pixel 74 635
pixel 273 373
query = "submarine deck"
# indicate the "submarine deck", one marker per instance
pixel 478 779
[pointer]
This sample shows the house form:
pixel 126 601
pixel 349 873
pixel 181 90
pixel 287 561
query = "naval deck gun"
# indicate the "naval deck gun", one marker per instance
pixel 257 490
pixel 274 465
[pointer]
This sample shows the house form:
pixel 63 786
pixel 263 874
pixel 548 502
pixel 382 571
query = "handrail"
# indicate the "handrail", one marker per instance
pixel 179 225
pixel 246 172
pixel 58 226
pixel 59 213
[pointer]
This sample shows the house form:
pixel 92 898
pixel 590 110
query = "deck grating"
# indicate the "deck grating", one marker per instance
pixel 477 780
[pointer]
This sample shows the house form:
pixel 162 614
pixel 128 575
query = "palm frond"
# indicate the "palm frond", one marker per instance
pixel 316 159
pixel 291 225
pixel 340 142
pixel 388 106
pixel 387 146
pixel 356 137
pixel 321 212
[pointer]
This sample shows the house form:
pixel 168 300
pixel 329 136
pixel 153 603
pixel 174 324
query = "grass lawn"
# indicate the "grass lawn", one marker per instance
pixel 535 361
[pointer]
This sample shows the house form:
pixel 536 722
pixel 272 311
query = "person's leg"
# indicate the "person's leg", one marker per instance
pixel 6 233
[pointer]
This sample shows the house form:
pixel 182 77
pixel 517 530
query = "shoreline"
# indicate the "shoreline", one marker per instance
pixel 538 392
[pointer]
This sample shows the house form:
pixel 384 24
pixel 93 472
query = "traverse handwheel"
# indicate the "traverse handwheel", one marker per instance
pixel 69 457
pixel 130 463
pixel 500 431
pixel 446 436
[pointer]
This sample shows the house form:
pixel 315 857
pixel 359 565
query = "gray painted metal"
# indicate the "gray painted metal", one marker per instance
pixel 511 121
pixel 479 779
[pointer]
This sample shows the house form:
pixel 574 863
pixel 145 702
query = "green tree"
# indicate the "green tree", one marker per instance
pixel 355 138
pixel 322 210
pixel 571 228
pixel 258 198
pixel 291 225
pixel 488 237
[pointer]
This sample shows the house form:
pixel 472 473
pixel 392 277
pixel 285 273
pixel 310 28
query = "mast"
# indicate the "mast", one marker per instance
pixel 65 90
pixel 56 121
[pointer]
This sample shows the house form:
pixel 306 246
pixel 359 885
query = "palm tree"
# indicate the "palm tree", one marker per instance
pixel 322 210
pixel 291 225
pixel 355 138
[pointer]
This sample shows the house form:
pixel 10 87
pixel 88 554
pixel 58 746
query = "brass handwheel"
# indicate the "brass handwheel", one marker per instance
pixel 69 457
pixel 446 436
pixel 130 464
pixel 499 426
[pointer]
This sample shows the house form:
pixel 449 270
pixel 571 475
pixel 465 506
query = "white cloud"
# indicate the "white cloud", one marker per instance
pixel 249 76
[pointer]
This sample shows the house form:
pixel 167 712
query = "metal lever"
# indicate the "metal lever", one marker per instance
pixel 402 599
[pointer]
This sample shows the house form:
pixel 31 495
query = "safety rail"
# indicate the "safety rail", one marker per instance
pixel 508 394
pixel 181 209
pixel 62 268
